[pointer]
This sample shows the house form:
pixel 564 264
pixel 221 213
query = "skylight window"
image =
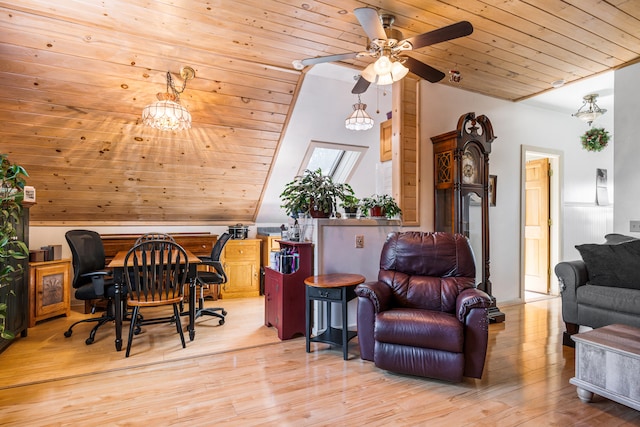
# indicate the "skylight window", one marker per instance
pixel 339 161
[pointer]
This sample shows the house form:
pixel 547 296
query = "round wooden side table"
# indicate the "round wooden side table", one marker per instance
pixel 331 288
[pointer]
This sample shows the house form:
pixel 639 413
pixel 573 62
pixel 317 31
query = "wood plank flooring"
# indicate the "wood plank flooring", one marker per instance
pixel 240 374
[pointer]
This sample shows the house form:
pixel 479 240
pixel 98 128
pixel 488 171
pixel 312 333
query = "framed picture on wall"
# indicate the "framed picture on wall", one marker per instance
pixel 492 190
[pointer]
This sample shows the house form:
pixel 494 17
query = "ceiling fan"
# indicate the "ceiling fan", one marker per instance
pixel 389 48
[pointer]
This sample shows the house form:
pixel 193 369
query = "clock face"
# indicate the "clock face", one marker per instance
pixel 469 168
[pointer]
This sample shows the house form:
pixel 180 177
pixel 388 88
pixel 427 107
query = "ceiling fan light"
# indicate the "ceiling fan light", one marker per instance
pixel 398 71
pixel 369 74
pixel 382 65
pixel 359 119
pixel 385 79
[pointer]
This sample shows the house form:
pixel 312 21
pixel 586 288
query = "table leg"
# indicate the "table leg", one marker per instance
pixel 118 315
pixel 345 325
pixel 309 313
pixel 192 309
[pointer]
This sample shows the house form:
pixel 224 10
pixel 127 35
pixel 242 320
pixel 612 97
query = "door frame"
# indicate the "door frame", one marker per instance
pixel 556 163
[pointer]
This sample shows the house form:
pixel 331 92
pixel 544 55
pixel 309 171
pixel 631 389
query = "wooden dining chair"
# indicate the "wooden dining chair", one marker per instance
pixel 155 274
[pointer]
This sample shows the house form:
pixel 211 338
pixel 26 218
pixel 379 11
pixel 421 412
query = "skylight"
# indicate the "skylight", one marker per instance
pixel 339 161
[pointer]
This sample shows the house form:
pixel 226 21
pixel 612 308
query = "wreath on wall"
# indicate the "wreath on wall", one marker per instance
pixel 595 139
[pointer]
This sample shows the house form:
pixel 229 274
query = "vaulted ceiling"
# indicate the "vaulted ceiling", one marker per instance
pixel 76 74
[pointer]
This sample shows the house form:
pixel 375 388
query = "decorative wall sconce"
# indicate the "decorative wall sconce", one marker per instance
pixel 589 110
pixel 167 113
pixel 359 119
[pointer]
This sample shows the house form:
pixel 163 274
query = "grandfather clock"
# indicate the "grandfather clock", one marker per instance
pixel 461 165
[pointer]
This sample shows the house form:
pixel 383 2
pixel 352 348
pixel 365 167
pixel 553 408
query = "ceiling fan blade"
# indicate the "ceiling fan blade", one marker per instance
pixel 423 70
pixel 370 22
pixel 453 31
pixel 329 58
pixel 361 86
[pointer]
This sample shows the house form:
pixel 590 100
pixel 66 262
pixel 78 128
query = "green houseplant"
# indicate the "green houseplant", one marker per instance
pixel 350 204
pixel 11 249
pixel 313 193
pixel 380 205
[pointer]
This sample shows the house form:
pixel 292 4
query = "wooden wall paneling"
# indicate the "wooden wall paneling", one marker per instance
pixel 76 76
pixel 405 146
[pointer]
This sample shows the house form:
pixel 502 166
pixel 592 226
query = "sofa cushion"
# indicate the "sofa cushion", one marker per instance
pixel 615 265
pixel 611 299
pixel 615 238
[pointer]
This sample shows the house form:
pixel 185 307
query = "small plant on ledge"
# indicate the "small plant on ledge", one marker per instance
pixel 351 204
pixel 313 193
pixel 380 206
pixel 595 139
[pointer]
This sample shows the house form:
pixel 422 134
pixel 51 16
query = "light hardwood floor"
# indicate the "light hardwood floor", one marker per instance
pixel 240 374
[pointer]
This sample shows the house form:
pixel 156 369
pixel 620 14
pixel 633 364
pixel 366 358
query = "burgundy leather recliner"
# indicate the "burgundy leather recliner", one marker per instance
pixel 424 315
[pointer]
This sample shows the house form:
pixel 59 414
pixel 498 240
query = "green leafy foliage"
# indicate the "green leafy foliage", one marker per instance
pixel 595 139
pixel 313 190
pixel 12 181
pixel 385 201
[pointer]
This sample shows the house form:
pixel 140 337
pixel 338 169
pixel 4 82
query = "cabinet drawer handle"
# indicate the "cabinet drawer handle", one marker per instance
pixel 324 294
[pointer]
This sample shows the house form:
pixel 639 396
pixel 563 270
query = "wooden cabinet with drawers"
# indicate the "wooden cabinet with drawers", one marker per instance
pixel 269 244
pixel 241 263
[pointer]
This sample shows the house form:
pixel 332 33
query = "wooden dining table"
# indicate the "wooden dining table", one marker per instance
pixel 117 265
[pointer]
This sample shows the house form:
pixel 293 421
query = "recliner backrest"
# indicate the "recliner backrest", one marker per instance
pixel 427 270
pixel 87 251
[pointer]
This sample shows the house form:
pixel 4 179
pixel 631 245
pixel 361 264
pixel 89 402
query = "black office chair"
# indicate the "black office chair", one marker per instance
pixel 90 280
pixel 154 271
pixel 212 278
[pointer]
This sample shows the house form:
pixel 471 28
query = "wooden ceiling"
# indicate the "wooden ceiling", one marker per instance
pixel 75 76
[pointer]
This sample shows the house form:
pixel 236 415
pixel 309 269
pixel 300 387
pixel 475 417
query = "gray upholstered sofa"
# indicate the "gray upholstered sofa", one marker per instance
pixel 603 287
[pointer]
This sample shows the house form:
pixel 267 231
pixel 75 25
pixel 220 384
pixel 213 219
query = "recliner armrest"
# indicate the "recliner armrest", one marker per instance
pixel 469 299
pixel 379 293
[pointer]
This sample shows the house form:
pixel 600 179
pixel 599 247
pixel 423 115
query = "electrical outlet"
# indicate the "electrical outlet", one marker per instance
pixel 634 226
pixel 360 241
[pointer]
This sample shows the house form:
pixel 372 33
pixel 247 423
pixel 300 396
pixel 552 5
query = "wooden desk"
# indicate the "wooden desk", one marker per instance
pixel 117 264
pixel 331 288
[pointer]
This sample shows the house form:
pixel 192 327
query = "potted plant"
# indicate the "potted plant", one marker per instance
pixel 379 206
pixel 350 204
pixel 11 249
pixel 313 193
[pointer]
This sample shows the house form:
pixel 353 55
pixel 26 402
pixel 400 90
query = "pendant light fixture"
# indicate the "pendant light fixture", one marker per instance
pixel 359 119
pixel 589 110
pixel 167 113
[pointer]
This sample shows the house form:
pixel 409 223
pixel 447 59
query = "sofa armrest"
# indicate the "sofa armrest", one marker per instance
pixel 571 275
pixel 469 299
pixel 377 292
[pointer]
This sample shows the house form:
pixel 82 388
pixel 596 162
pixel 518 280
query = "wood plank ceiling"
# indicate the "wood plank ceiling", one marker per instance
pixel 76 74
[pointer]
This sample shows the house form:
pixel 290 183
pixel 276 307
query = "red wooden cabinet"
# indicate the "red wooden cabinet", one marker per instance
pixel 284 292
